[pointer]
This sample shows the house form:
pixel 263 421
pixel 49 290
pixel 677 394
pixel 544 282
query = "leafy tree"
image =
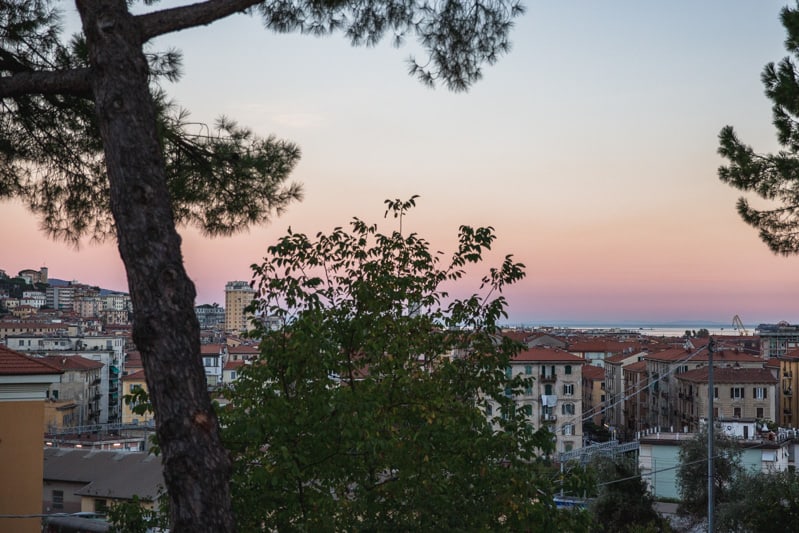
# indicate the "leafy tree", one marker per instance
pixel 773 177
pixel 86 130
pixel 761 501
pixel 136 516
pixel 703 333
pixel 367 410
pixel 624 503
pixel 692 472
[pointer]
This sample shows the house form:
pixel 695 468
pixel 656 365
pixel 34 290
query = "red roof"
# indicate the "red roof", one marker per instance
pixel 593 372
pixel 729 375
pixel 16 364
pixel 547 355
pixel 72 362
pixel 232 365
pixel 638 366
pixel 680 354
pixel 138 375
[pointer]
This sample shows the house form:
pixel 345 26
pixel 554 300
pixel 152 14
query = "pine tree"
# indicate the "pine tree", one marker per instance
pixel 774 177
pixel 85 131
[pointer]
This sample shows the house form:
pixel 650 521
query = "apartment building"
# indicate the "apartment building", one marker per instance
pixel 238 295
pixel 554 400
pixel 75 399
pixel 740 394
pixel 615 386
pixel 24 382
pixel 663 367
pixel 635 403
pixel 776 340
pixel 593 393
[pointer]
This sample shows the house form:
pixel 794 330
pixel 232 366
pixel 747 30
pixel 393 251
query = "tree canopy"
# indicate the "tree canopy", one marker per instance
pixel 367 409
pixel 773 177
pixel 86 130
pixel 692 472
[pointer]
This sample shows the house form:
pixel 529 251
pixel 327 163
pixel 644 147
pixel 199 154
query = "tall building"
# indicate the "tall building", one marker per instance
pixel 238 295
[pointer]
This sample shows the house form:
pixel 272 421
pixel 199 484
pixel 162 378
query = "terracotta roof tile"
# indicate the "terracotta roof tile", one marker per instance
pixel 72 362
pixel 729 375
pixel 16 364
pixel 547 355
pixel 593 372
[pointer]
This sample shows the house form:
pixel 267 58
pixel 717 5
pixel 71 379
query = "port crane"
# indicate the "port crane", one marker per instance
pixel 739 325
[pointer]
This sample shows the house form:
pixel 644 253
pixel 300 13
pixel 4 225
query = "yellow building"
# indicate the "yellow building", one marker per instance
pixel 24 382
pixel 238 295
pixel 130 384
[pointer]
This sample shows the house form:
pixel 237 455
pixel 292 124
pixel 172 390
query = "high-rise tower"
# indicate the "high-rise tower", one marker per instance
pixel 238 295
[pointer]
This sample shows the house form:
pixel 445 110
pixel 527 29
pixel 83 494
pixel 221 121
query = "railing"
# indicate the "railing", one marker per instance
pixel 548 378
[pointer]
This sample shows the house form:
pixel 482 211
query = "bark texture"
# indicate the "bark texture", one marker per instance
pixel 196 467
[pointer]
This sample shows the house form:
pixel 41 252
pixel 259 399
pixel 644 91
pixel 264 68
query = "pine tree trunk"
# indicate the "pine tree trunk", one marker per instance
pixel 196 467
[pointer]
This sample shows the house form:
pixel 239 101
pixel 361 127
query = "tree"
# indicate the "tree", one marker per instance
pixel 85 131
pixel 761 501
pixel 692 472
pixel 368 409
pixel 773 177
pixel 624 502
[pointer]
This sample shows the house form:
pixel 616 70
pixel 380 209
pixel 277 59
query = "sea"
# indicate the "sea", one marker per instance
pixel 652 330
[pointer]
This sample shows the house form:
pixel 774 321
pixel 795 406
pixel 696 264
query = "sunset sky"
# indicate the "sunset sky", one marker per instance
pixel 590 148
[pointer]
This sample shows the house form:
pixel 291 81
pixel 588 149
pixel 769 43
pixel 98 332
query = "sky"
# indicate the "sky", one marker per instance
pixel 590 148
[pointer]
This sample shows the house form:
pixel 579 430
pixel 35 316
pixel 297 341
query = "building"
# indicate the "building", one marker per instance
pixel 594 394
pixel 24 382
pixel 238 296
pixel 60 297
pixel 78 480
pixel 34 276
pixel 130 384
pixel 616 389
pixel 75 399
pixel 776 340
pixel 554 400
pixel 739 394
pixel 210 316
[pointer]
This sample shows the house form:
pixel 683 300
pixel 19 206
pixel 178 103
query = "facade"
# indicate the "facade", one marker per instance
pixel 635 410
pixel 130 384
pixel 739 394
pixel 60 297
pixel 664 367
pixel 593 392
pixel 75 399
pixel 776 340
pixel 616 389
pixel 210 316
pixel 214 357
pixel 555 398
pixel 238 295
pixel 24 382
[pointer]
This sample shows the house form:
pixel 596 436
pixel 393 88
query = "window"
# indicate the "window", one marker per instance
pixel 736 412
pixel 232 375
pixel 134 387
pixel 548 389
pixel 759 412
pixel 568 369
pixel 527 410
pixel 759 393
pixel 528 369
pixel 736 393
pixel 100 506
pixel 508 372
pixel 489 410
pixel 567 409
pixel 716 393
pixel 568 389
pixel 602 398
pixel 58 499
pixel 568 429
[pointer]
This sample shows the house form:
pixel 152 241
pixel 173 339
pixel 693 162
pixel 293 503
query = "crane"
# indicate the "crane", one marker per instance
pixel 737 324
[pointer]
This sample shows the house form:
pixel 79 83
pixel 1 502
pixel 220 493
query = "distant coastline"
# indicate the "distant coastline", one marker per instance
pixel 663 329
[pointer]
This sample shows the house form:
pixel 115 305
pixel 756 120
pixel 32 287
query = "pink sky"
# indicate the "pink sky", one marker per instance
pixel 591 148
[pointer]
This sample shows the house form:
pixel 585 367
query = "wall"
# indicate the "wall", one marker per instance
pixel 21 464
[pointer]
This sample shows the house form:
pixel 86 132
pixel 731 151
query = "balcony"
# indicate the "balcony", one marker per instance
pixel 787 411
pixel 788 392
pixel 549 418
pixel 788 375
pixel 548 378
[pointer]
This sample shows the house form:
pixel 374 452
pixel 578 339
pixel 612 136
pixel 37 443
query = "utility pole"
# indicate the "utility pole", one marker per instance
pixel 711 347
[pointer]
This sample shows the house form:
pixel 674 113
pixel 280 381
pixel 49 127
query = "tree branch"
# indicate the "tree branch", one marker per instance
pixel 189 16
pixel 73 82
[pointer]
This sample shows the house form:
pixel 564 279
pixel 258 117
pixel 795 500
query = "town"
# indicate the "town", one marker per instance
pixel 75 443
